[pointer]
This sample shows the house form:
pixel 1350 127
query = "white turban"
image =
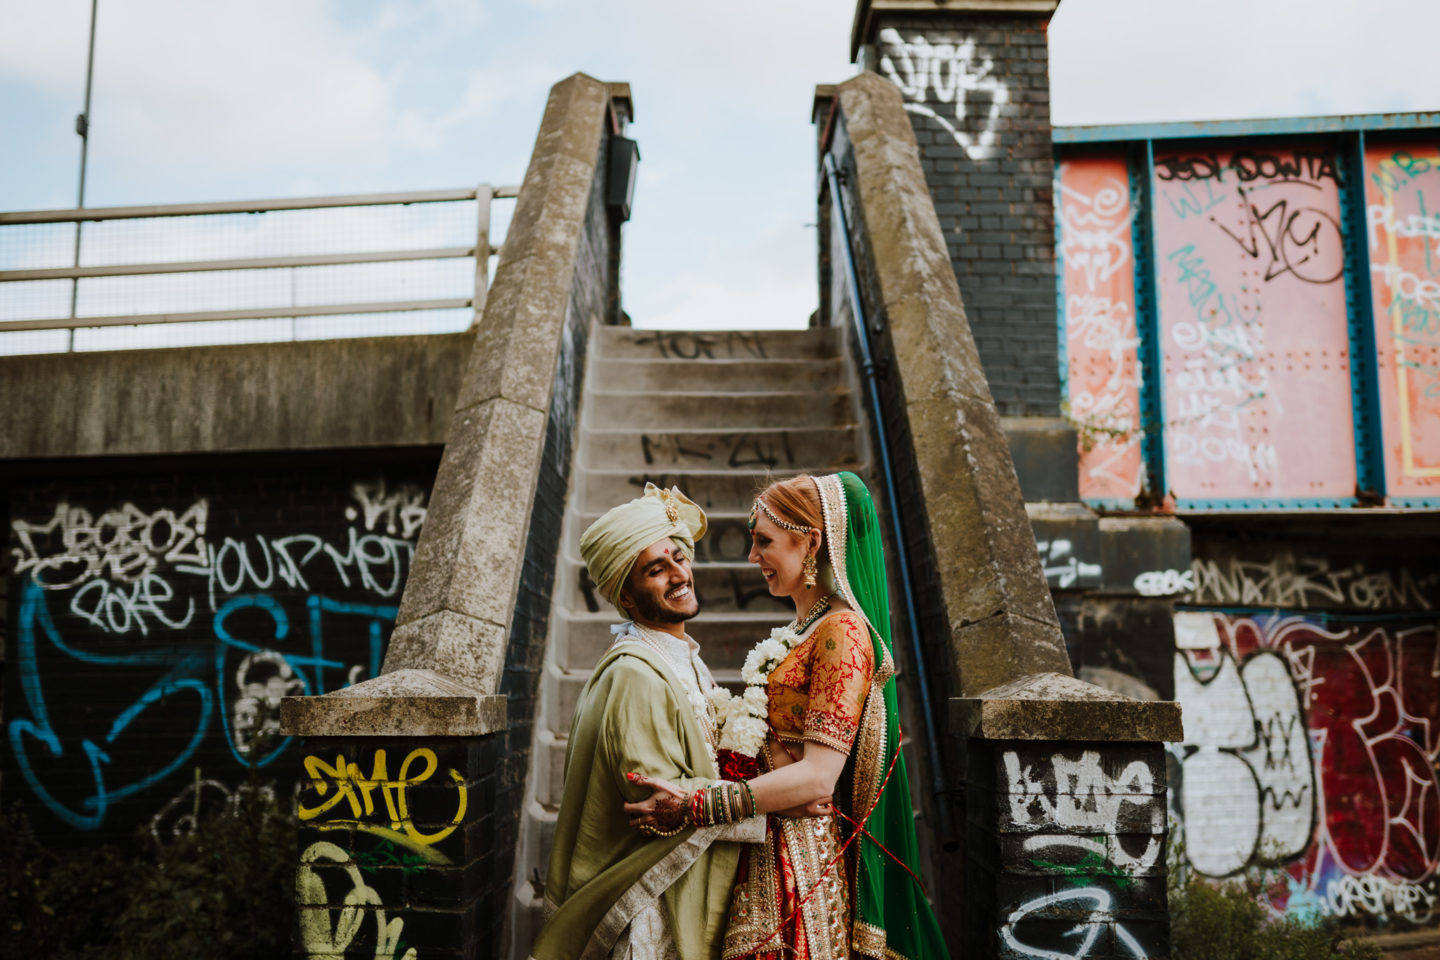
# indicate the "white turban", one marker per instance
pixel 612 543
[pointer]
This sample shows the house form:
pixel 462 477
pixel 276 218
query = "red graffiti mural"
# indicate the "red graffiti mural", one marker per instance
pixel 1368 695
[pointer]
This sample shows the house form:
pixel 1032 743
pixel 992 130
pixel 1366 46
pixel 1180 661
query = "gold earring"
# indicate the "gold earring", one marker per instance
pixel 809 568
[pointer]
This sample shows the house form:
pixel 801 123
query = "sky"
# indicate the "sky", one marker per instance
pixel 197 100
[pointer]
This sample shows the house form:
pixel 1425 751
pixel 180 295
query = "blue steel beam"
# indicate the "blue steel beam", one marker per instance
pixel 1369 122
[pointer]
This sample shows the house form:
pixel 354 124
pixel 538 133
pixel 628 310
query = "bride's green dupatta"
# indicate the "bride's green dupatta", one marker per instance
pixel 892 916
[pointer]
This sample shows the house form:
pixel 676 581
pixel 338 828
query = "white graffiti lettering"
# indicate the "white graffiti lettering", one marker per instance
pixel 1248 788
pixel 1080 796
pixel 262 678
pixel 117 609
pixel 1062 567
pixel 177 818
pixel 122 545
pixel 1164 583
pixel 1415 225
pixel 1352 896
pixel 1096 905
pixel 403 510
pixel 957 75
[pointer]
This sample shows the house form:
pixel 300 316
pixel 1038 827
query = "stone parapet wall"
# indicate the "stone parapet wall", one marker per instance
pixel 312 395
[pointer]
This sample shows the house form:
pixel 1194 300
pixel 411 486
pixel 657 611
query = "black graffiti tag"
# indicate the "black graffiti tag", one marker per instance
pixel 1294 239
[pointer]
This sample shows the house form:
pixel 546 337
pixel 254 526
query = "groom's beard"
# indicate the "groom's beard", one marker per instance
pixel 652 608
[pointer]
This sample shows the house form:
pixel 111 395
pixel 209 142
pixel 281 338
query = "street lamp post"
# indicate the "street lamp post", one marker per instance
pixel 82 127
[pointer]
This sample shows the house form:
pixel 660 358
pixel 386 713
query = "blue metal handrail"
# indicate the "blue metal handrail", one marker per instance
pixel 902 555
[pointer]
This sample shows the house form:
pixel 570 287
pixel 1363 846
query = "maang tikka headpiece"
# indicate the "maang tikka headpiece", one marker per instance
pixel 783 524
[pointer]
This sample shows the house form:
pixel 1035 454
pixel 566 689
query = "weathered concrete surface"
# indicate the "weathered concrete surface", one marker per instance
pixel 1051 706
pixel 367 392
pixel 455 613
pixel 468 561
pixel 406 703
pixel 984 546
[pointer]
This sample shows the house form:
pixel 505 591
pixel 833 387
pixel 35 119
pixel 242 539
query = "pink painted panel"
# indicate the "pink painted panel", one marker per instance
pixel 1101 343
pixel 1255 352
pixel 1402 192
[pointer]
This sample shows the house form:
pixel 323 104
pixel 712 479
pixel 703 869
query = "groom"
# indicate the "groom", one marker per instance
pixel 613 890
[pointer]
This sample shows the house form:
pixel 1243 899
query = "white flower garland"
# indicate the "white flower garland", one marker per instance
pixel 743 720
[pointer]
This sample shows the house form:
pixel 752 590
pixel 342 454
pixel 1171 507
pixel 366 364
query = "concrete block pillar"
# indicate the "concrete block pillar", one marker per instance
pixel 1065 824
pixel 402 851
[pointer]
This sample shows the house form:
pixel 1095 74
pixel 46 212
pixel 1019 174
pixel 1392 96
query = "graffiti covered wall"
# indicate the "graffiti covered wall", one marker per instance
pixel 1100 336
pixel 156 621
pixel 1271 376
pixel 1403 235
pixel 1311 744
pixel 1065 850
pixel 1253 324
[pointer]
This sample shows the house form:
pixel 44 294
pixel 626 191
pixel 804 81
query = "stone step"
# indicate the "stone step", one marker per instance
pixel 626 342
pixel 548 767
pixel 721 587
pixel 731 491
pixel 537 835
pixel 724 639
pixel 679 410
pixel 717 376
pixel 776 449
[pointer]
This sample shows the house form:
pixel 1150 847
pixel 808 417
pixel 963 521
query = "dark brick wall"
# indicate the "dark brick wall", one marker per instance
pixel 1065 850
pixel 155 607
pixel 977 87
pixel 407 828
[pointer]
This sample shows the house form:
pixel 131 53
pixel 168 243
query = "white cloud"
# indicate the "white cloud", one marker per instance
pixel 222 88
pixel 1136 61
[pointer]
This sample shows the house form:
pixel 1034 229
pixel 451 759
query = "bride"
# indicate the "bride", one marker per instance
pixel 821 698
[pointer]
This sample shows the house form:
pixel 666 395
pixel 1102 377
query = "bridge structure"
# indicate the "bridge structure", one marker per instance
pixel 1148 413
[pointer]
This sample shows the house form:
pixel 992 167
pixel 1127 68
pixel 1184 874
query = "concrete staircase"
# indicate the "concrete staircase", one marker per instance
pixel 715 414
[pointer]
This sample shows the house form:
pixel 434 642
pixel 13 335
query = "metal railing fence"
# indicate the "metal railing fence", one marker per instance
pixel 245 271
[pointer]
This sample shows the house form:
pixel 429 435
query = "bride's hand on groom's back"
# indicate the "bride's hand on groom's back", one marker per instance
pixel 815 808
pixel 664 809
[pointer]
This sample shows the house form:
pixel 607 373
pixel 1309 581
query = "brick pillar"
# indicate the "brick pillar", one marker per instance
pixel 976 80
pixel 1065 837
pixel 403 851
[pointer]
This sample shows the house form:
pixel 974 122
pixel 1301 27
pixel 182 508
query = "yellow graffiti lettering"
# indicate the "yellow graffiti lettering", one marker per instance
pixel 347 781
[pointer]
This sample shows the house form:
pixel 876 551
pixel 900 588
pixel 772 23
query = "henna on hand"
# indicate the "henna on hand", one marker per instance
pixel 669 812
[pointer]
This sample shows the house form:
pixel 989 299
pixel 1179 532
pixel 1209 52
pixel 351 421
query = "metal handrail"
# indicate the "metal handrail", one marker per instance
pixel 255 313
pixel 242 263
pixel 485 194
pixel 902 553
pixel 148 211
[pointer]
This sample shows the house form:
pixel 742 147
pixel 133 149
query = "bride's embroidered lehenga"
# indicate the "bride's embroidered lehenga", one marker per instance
pixel 798 897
